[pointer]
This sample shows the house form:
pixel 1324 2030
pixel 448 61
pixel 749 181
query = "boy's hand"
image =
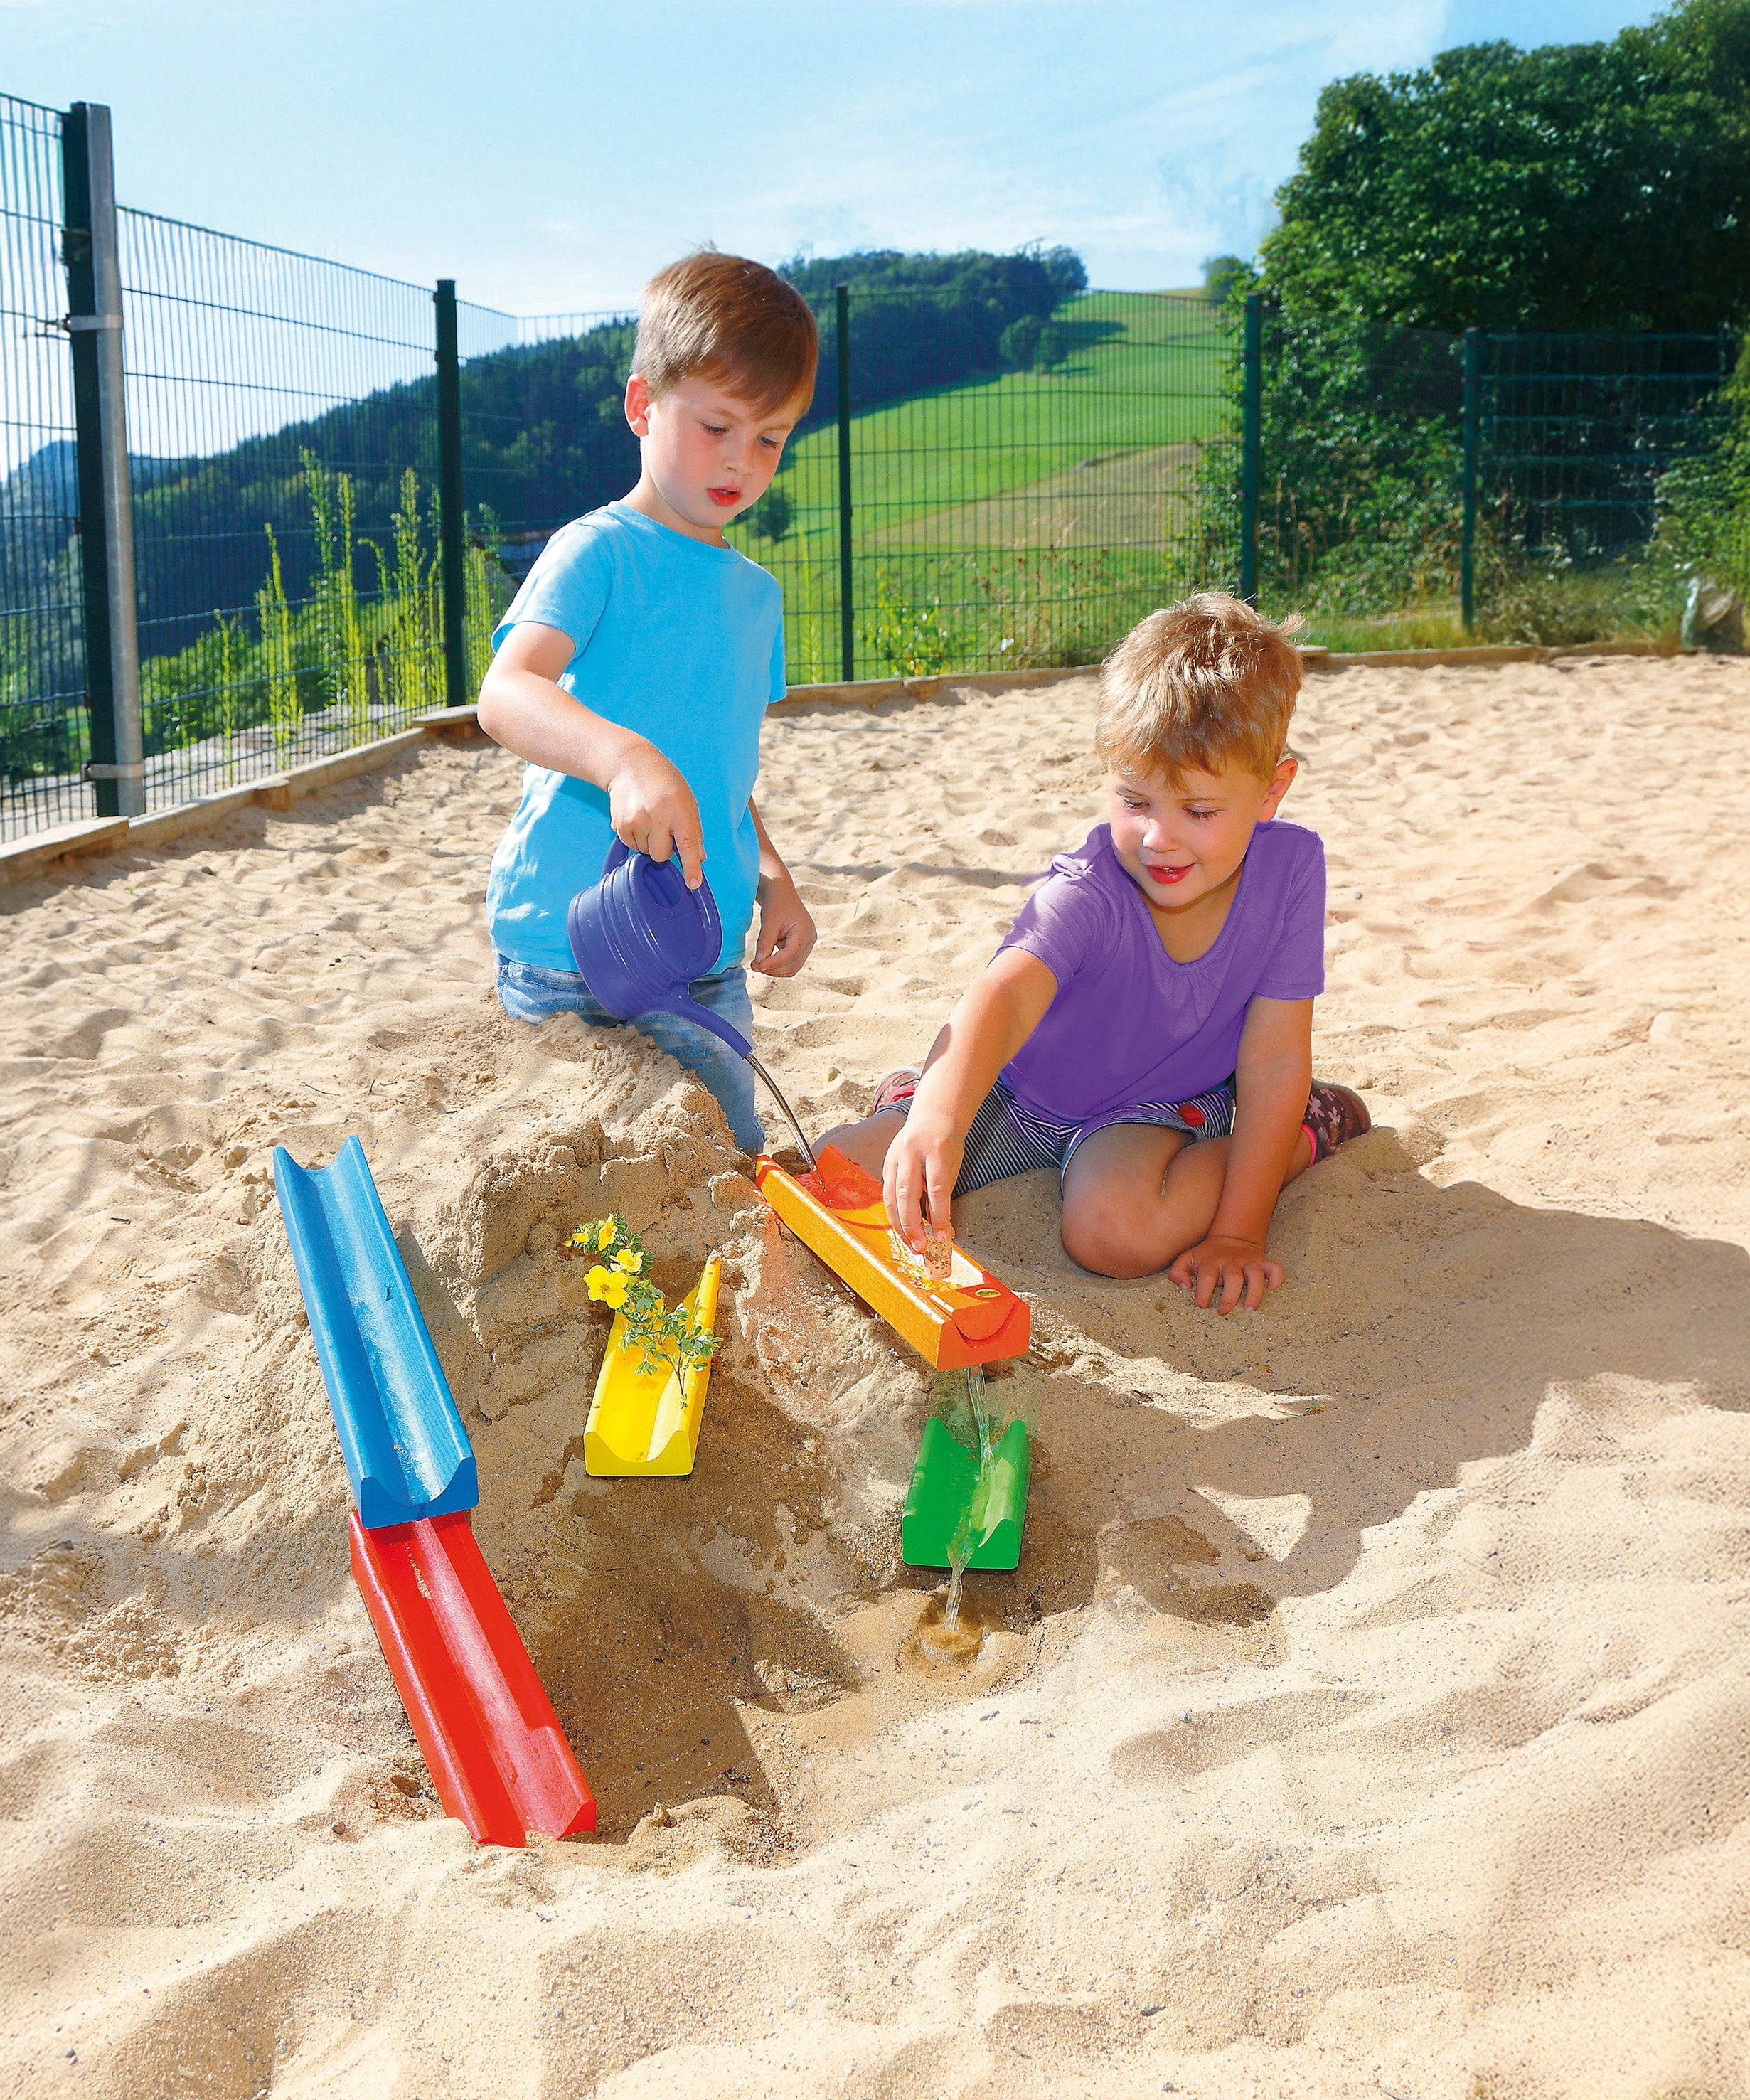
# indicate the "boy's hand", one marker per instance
pixel 1240 1270
pixel 923 1165
pixel 787 931
pixel 652 809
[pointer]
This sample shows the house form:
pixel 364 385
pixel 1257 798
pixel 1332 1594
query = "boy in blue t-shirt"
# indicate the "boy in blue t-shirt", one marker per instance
pixel 635 666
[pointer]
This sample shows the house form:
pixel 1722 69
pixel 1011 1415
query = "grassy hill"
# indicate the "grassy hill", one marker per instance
pixel 1145 370
pixel 1034 506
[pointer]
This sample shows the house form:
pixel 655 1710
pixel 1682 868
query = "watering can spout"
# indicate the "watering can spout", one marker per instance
pixel 685 1008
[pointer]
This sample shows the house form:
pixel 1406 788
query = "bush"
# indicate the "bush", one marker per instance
pixel 1019 343
pixel 908 640
pixel 1359 511
pixel 769 517
pixel 1572 186
pixel 1227 278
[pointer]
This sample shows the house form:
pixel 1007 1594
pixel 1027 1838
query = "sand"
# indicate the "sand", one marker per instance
pixel 1369 1712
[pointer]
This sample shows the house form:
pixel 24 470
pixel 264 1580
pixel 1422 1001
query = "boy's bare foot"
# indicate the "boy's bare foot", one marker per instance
pixel 896 1087
pixel 1334 1115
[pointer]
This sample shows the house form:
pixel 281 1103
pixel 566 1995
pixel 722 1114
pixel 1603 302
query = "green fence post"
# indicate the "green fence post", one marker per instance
pixel 450 496
pixel 1467 546
pixel 111 611
pixel 1251 424
pixel 841 294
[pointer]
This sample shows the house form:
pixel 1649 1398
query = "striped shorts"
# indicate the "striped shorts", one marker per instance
pixel 1007 1139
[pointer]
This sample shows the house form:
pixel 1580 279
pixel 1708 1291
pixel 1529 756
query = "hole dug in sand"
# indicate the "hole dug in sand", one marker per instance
pixel 704 1638
pixel 669 1612
pixel 936 1645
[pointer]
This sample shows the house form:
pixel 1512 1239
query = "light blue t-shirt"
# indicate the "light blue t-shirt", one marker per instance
pixel 680 641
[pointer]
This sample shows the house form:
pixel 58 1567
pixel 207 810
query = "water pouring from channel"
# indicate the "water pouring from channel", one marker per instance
pixel 970 1526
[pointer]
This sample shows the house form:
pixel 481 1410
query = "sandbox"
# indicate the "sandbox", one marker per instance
pixel 1366 1708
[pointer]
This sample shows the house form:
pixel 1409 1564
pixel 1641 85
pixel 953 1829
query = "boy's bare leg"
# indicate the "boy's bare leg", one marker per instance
pixel 1136 1196
pixel 866 1142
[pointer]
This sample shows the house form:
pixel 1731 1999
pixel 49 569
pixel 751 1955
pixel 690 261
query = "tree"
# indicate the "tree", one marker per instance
pixel 923 321
pixel 1019 343
pixel 1035 278
pixel 1053 352
pixel 1227 278
pixel 769 518
pixel 1579 186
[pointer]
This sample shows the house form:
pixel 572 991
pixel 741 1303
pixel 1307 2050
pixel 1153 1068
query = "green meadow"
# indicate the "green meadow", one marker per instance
pixel 1024 518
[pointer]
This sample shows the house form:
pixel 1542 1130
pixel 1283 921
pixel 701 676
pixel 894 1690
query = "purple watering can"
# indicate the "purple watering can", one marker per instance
pixel 640 938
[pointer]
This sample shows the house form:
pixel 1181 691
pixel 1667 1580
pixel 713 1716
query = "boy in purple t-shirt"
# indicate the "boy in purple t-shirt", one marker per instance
pixel 1146 1026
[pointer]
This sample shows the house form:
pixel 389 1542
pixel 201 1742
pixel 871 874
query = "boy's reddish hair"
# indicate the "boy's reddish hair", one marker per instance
pixel 723 318
pixel 1205 684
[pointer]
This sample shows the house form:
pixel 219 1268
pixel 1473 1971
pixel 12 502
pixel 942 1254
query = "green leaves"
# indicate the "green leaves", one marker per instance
pixel 1579 186
pixel 618 1278
pixel 907 640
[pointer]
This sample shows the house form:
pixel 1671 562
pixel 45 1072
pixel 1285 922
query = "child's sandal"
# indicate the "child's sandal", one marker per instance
pixel 896 1087
pixel 1334 1115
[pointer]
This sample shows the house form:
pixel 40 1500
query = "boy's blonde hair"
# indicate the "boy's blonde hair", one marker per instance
pixel 722 318
pixel 1206 684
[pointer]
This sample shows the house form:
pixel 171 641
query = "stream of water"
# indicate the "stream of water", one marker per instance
pixel 790 1113
pixel 959 1552
pixel 960 1545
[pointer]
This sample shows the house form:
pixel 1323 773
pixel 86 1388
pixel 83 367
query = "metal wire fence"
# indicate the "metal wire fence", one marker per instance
pixel 971 508
pixel 1006 479
pixel 1018 504
pixel 41 644
pixel 1509 484
pixel 283 457
pixel 543 437
pixel 1576 431
pixel 283 420
pixel 1359 472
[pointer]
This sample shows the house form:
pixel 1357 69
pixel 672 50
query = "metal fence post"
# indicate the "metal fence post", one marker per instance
pixel 450 497
pixel 841 294
pixel 1251 424
pixel 1467 547
pixel 106 502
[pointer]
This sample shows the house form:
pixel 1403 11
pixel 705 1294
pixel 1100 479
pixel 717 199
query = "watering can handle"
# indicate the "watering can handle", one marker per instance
pixel 620 853
pixel 680 1003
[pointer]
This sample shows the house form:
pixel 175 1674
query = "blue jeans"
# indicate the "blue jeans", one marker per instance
pixel 529 993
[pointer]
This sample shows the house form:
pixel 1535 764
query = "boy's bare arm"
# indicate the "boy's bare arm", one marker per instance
pixel 786 927
pixel 1271 1081
pixel 996 1014
pixel 523 707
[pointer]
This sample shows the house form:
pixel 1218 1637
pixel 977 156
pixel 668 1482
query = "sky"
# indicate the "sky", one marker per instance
pixel 550 154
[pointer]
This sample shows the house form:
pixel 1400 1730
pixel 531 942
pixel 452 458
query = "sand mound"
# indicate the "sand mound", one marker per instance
pixel 1368 1711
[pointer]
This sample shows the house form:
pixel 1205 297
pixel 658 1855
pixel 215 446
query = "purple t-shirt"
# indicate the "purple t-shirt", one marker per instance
pixel 1128 1024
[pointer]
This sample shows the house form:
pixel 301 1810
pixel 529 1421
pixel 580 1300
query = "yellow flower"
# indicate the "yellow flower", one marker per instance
pixel 627 1260
pixel 607 1286
pixel 604 1233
